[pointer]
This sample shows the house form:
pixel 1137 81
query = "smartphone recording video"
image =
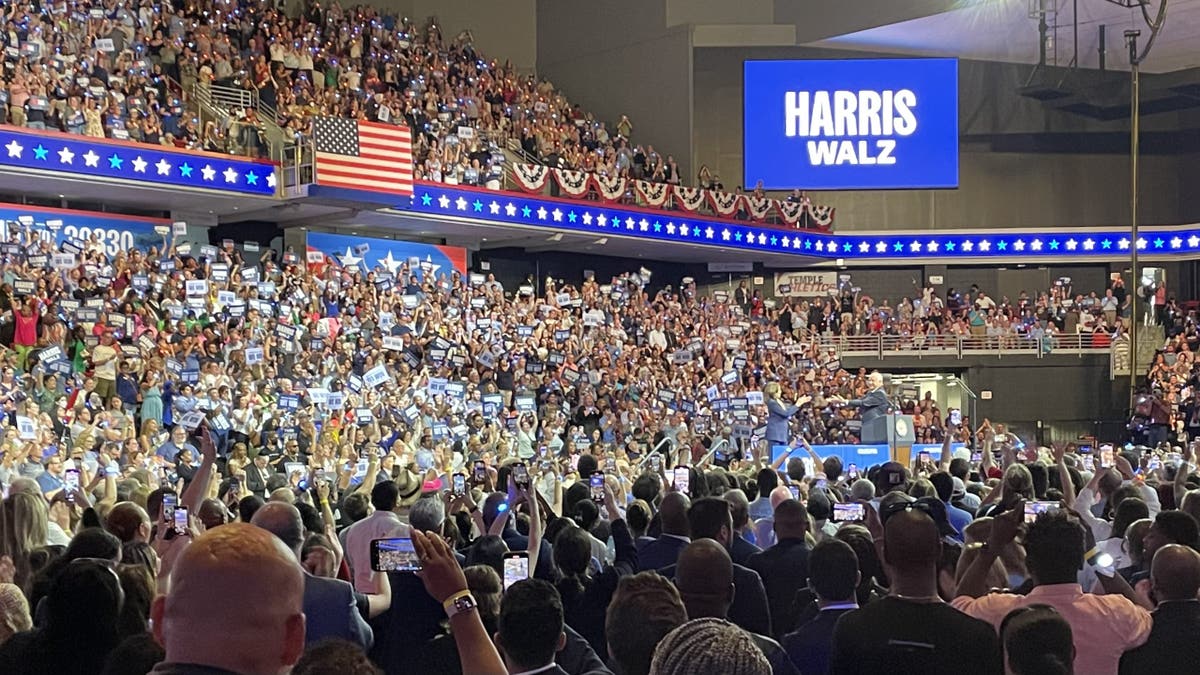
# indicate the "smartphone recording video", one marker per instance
pixel 458 485
pixel 480 475
pixel 395 554
pixel 181 520
pixel 596 483
pixel 520 475
pixel 682 478
pixel 169 501
pixel 1034 509
pixel 848 512
pixel 516 567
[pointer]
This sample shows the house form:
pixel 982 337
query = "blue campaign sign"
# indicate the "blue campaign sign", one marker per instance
pixel 851 124
pixel 117 233
pixel 864 455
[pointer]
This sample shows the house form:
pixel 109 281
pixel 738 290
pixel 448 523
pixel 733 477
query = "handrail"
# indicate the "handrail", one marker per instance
pixel 881 346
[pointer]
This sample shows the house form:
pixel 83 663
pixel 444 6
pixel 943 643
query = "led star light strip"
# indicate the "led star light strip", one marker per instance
pixel 152 164
pixel 675 226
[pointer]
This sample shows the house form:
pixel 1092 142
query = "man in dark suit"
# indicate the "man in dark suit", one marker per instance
pixel 739 506
pixel 874 403
pixel 329 604
pixel 832 577
pixel 664 551
pixel 1172 646
pixel 709 518
pixel 530 628
pixel 258 474
pixel 784 566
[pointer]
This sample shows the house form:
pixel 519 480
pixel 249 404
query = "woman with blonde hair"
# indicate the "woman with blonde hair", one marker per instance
pixel 24 526
pixel 14 612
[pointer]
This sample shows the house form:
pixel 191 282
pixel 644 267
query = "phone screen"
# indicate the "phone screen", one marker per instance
pixel 922 457
pixel 656 462
pixel 459 485
pixel 521 475
pixel 795 489
pixel 1032 509
pixel 597 487
pixel 1106 458
pixel 516 568
pixel 682 478
pixel 71 480
pixel 955 417
pixel 170 499
pixel 851 512
pixel 610 465
pixel 976 456
pixel 480 472
pixel 852 471
pixel 394 555
pixel 181 520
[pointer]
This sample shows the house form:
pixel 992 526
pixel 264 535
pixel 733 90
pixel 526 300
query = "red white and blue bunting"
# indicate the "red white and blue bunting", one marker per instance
pixel 759 207
pixel 724 203
pixel 531 177
pixel 611 188
pixel 821 215
pixel 790 212
pixel 654 194
pixel 572 183
pixel 689 198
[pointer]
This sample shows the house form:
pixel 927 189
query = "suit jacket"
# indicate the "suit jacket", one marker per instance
pixel 659 553
pixel 1172 646
pixel 810 645
pixel 778 417
pixel 741 549
pixel 749 609
pixel 874 404
pixel 784 571
pixel 256 483
pixel 332 612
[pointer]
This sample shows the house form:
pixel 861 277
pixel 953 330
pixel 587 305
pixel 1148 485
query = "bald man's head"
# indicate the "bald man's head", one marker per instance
pixel 911 541
pixel 673 511
pixel 1175 573
pixel 780 495
pixel 282 520
pixel 235 602
pixel 704 577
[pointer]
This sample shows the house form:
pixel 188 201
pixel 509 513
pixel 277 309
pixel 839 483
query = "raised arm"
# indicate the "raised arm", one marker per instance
pixel 1004 529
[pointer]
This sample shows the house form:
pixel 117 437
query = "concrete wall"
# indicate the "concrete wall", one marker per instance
pixel 503 29
pixel 1019 188
pixel 719 12
pixel 617 58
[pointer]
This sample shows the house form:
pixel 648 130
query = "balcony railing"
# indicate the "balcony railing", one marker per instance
pixel 924 346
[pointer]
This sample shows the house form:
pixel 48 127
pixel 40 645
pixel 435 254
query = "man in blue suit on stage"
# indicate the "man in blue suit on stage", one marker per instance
pixel 875 403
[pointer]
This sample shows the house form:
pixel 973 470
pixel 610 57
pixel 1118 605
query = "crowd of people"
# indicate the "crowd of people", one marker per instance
pixel 127 70
pixel 929 319
pixel 593 478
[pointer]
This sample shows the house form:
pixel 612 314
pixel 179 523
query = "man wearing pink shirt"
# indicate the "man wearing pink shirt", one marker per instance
pixel 1103 626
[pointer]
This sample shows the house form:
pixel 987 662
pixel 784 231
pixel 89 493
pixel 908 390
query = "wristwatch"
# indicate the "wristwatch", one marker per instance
pixel 458 603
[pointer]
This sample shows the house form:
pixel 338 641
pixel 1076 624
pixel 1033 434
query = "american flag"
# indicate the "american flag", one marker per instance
pixel 363 155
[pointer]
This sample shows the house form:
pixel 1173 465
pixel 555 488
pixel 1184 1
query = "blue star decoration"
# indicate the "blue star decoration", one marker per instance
pixel 1158 242
pixel 1106 244
pixel 737 235
pixel 571 216
pixel 949 246
pixel 185 170
pixel 40 152
pixel 657 226
pixel 1053 244
pixel 1002 245
pixel 898 246
pixel 115 162
pixel 478 206
pixel 774 240
pixel 846 247
pixel 526 211
pixel 807 245
pixel 426 200
pixel 251 178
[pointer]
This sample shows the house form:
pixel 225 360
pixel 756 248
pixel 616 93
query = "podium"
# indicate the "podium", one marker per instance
pixel 893 430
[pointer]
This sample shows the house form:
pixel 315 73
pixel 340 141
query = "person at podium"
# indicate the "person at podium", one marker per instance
pixel 874 404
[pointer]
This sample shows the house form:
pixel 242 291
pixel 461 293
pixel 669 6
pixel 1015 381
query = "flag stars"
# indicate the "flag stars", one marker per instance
pixel 1193 241
pixel 796 243
pixel 461 204
pixel 115 162
pixel 231 176
pixel 657 226
pixel 251 178
pixel 426 200
pixel 510 210
pixel 967 245
pixel 807 245
pixel 1123 244
pixel 915 246
pixel 696 230
pixel 14 148
pixel 898 247
pixel 558 214
pixel 949 246
pixel 762 239
pixel 40 152
pixel 881 247
pixel 864 247
pixel 494 209
pixel 737 236
pixel 541 213
pixel 1071 244
pixel 526 212
pixel 602 220
pixel 670 228
pixel 185 170
pixel 444 202
pixel 90 158
pixel 932 247
pixel 1002 245
pixel 708 234
pixel 477 206
pixel 1036 245
pixel 725 235
pixel 1088 244
pixel 628 222
pixel 65 156
pixel 208 172
pixel 985 246
pixel 846 247
pixel 139 164
pixel 1158 242
pixel 587 218
pixel 1176 242
pixel 571 217
pixel 1019 245
pixel 644 225
pixel 1106 244
pixel 1141 243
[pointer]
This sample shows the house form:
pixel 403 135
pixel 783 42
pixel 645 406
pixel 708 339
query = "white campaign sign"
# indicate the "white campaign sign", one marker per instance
pixel 806 284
